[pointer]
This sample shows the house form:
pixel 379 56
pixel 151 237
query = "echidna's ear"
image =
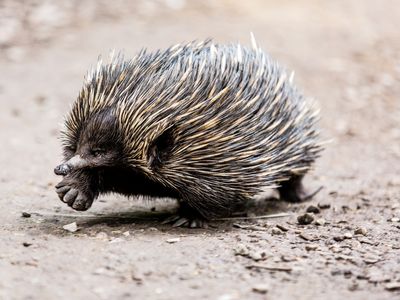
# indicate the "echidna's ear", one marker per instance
pixel 160 149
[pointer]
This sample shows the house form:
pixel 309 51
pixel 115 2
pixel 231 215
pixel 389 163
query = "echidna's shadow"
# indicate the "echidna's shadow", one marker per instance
pixel 266 206
pixel 116 219
pixel 259 207
pixel 144 217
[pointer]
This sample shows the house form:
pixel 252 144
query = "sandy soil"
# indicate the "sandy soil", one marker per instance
pixel 346 54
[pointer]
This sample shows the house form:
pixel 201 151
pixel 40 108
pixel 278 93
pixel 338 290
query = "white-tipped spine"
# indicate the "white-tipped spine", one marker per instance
pixel 239 54
pixel 291 77
pixel 213 52
pixel 253 42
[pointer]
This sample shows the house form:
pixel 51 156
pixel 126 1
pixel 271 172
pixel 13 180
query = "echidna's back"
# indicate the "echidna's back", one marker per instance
pixel 238 123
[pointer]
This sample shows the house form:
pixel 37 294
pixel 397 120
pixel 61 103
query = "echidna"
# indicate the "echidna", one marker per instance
pixel 208 124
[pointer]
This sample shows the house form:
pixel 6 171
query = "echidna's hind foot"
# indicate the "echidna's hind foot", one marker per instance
pixel 186 217
pixel 293 190
pixel 178 221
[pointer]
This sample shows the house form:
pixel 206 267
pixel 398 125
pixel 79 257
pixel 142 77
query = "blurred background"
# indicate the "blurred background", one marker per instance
pixel 345 54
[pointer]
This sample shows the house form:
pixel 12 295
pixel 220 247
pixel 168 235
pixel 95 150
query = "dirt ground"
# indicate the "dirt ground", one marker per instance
pixel 346 54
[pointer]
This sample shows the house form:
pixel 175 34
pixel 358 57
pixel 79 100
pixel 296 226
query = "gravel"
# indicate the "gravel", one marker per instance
pixel 305 219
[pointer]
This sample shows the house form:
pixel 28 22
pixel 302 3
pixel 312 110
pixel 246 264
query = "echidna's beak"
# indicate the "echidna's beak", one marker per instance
pixel 75 162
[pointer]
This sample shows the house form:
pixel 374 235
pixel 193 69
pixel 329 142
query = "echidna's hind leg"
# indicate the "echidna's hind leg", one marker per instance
pixel 186 216
pixel 293 190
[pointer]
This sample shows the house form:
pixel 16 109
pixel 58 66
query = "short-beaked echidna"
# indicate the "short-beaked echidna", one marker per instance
pixel 208 124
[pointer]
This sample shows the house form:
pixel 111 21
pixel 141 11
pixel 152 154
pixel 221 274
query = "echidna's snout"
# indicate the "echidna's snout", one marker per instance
pixel 62 169
pixel 75 162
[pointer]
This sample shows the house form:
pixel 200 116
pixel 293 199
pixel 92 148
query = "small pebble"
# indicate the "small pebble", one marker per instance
pixel 116 240
pixel 25 214
pixel 370 260
pixel 354 286
pixel 261 288
pixel 395 220
pixel 308 237
pixel 276 231
pixel 288 258
pixel 241 250
pixel 378 276
pixel 173 240
pixel 324 205
pixel 257 255
pixel 313 209
pixel 320 222
pixel 360 230
pixel 312 247
pixel 102 235
pixel 126 233
pixel 339 238
pixel 72 227
pixel 281 227
pixel 348 235
pixel 345 208
pixel 393 286
pixel 305 219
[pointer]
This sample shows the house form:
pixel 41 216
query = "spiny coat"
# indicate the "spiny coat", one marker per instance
pixel 214 124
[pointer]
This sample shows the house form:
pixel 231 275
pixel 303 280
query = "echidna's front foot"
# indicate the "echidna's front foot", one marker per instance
pixel 73 196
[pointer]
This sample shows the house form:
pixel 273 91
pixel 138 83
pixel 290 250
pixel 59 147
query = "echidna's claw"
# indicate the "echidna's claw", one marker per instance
pixel 70 196
pixel 198 223
pixel 171 219
pixel 179 221
pixel 61 191
pixel 312 194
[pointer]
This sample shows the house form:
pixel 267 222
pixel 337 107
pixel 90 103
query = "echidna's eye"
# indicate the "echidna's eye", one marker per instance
pixel 97 152
pixel 70 149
